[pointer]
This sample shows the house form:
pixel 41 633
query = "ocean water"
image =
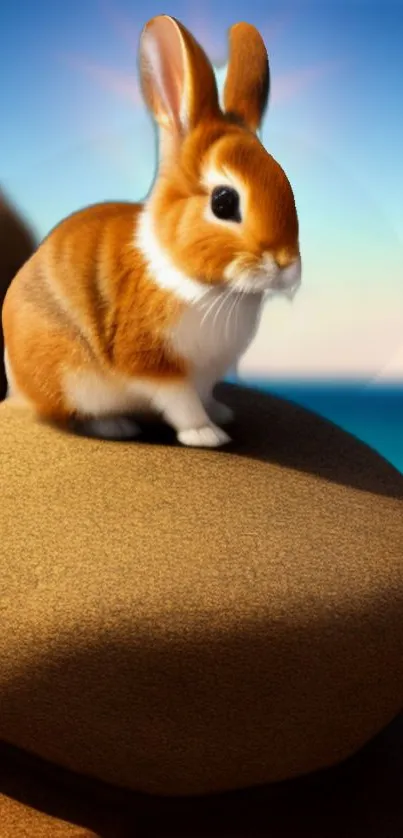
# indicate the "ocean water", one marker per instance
pixel 371 412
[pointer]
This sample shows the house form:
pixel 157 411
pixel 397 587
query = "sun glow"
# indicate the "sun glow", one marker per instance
pixel 124 83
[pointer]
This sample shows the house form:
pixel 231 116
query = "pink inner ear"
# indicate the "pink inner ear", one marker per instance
pixel 164 56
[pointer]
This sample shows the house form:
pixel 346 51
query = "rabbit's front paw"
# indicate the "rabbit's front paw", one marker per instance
pixel 209 436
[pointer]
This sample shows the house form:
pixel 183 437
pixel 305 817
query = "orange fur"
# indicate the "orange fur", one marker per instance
pixel 246 88
pixel 117 315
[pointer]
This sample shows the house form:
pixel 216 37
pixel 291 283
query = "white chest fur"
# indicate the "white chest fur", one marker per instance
pixel 216 330
pixel 217 325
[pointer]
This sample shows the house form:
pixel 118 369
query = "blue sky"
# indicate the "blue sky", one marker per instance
pixel 73 132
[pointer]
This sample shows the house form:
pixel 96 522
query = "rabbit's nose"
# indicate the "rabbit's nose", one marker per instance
pixel 284 258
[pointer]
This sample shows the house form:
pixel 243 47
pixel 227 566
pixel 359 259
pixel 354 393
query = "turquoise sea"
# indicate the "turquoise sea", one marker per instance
pixel 371 412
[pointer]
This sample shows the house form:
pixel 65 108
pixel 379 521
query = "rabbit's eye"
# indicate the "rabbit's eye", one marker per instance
pixel 225 203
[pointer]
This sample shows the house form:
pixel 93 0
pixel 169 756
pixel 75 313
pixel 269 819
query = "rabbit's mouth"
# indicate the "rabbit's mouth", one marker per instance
pixel 287 280
pixel 266 277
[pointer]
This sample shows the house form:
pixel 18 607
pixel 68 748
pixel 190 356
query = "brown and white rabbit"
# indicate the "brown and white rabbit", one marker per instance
pixel 127 307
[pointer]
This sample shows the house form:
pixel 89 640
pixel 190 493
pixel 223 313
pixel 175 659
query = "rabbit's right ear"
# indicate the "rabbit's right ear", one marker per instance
pixel 247 86
pixel 177 78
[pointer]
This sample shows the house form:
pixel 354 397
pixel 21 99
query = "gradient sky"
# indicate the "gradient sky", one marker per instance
pixel 73 131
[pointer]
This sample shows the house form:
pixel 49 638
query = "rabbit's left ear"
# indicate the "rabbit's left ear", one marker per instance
pixel 247 86
pixel 177 78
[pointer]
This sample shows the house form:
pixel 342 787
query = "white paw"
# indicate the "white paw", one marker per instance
pixel 110 427
pixel 210 436
pixel 219 412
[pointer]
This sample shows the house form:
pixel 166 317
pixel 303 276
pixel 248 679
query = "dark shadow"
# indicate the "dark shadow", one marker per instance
pixel 361 798
pixel 273 430
pixel 16 246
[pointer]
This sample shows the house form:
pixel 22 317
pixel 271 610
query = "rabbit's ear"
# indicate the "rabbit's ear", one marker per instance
pixel 247 85
pixel 177 78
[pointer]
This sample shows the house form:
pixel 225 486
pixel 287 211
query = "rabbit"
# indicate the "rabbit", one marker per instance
pixel 128 309
pixel 17 243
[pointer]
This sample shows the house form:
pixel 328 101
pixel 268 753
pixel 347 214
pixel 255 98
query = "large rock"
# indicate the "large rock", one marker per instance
pixel 185 621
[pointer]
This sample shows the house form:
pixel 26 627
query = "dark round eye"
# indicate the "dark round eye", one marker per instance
pixel 225 203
